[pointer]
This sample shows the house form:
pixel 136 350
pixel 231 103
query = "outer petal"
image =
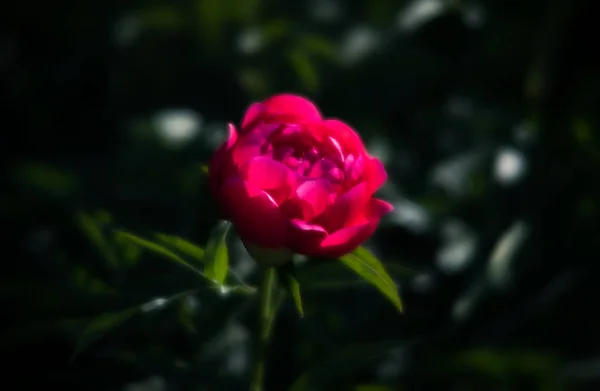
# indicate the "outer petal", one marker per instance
pixel 292 107
pixel 214 171
pixel 348 138
pixel 379 208
pixel 252 116
pixel 374 174
pixel 344 209
pixel 254 213
pixel 305 238
pixel 248 146
pixel 347 239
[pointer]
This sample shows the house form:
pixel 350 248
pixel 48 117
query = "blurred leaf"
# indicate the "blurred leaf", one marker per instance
pixel 288 278
pixel 321 376
pixel 161 18
pixel 104 323
pixel 583 131
pixel 363 263
pixel 319 45
pixel 45 178
pixel 216 259
pixel 158 249
pixel 254 81
pixel 245 10
pixel 499 364
pixel 93 231
pixel 186 315
pixel 211 15
pixel 183 246
pixel 504 253
pixel 275 29
pixel 84 280
pixel 372 387
pixel 305 69
pixel 129 252
pixel 100 326
pixel 330 276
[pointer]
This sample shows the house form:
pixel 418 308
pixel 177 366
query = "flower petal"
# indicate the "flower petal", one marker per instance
pixel 316 194
pixel 252 116
pixel 344 209
pixel 346 240
pixel 295 208
pixel 271 176
pixel 348 139
pixel 293 107
pixel 254 213
pixel 354 168
pixel 247 147
pixel 379 208
pixel 374 174
pixel 305 238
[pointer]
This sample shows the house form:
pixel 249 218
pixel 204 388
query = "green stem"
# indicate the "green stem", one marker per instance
pixel 265 320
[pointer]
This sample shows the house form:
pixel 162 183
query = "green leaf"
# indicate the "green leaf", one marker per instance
pixel 47 179
pixel 93 230
pixel 305 69
pixel 216 257
pixel 100 326
pixel 327 276
pixel 160 250
pixel 363 263
pixel 288 278
pixel 106 322
pixel 372 387
pixel 182 245
pixel 86 281
pixel 322 375
pixel 161 18
pixel 186 315
pixel 319 45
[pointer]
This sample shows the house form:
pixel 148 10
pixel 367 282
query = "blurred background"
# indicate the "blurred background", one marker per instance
pixel 483 111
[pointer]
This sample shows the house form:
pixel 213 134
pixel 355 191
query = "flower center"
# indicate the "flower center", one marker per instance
pixel 306 154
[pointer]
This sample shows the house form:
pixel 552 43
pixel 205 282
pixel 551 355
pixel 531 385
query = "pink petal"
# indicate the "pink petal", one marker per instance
pixel 344 209
pixel 305 238
pixel 348 139
pixel 316 194
pixel 379 208
pixel 292 106
pixel 270 175
pixel 282 153
pixel 374 210
pixel 248 146
pixel 374 174
pixel 320 168
pixel 254 214
pixel 339 152
pixel 295 208
pixel 354 168
pixel 252 116
pixel 335 174
pixel 214 171
pixel 346 240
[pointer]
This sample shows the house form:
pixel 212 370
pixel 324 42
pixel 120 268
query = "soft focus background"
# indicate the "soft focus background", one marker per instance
pixel 484 112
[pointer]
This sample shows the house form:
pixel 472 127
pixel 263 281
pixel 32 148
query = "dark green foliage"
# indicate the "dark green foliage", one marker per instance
pixel 485 114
